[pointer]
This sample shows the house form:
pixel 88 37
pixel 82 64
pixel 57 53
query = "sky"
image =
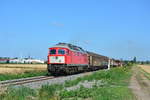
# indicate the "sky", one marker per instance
pixel 118 29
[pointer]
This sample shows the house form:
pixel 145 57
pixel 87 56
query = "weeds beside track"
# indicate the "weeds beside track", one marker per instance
pixel 22 75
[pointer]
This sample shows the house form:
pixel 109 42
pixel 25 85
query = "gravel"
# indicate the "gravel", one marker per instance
pixel 58 80
pixel 86 84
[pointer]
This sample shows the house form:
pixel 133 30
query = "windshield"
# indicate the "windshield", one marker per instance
pixel 61 51
pixel 52 51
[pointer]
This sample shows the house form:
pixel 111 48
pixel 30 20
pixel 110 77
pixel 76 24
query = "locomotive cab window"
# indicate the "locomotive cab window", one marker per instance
pixel 52 51
pixel 61 51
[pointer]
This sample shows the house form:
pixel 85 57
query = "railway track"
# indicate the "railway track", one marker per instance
pixel 17 82
pixel 24 80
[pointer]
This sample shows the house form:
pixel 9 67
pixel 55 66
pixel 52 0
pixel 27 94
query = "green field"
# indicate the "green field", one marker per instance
pixel 106 85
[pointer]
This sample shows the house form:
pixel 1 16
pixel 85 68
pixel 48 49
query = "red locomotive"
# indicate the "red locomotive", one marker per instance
pixel 67 59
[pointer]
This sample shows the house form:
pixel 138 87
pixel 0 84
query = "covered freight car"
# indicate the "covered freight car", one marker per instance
pixel 116 63
pixel 97 61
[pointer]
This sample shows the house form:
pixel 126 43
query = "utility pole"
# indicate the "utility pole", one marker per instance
pixel 108 64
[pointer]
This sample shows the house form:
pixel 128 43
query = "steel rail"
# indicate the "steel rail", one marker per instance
pixel 24 80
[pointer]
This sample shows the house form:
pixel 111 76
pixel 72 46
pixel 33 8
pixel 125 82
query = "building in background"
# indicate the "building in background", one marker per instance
pixel 4 60
pixel 21 60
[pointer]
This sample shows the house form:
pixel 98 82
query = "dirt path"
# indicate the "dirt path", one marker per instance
pixel 140 85
pixel 145 68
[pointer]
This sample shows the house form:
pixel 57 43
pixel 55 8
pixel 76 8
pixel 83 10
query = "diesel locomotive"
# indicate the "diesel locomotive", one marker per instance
pixel 65 58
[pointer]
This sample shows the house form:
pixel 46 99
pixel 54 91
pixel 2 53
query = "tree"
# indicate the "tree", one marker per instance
pixel 147 62
pixel 134 60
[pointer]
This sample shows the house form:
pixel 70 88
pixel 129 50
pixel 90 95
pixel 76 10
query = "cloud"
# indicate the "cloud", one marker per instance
pixel 58 24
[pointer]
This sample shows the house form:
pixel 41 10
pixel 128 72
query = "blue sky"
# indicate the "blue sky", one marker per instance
pixel 115 28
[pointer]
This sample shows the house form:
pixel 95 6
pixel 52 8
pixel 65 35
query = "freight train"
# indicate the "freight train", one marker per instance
pixel 65 58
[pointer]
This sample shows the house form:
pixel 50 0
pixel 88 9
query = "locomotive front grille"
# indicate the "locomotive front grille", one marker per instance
pixel 57 59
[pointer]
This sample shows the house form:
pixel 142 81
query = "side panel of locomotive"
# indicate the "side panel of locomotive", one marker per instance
pixel 78 58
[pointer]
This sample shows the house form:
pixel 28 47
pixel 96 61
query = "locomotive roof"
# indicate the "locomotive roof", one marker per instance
pixel 70 46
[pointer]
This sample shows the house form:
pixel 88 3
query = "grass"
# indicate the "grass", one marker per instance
pixel 21 93
pixel 99 93
pixel 113 76
pixel 22 75
pixel 49 91
pixel 116 88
